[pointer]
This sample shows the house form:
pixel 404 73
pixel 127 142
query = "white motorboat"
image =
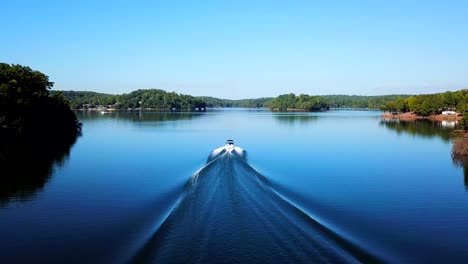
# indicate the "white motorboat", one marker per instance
pixel 230 145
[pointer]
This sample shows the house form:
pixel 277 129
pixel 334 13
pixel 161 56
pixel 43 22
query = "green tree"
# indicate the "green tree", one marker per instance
pixel 401 105
pixel 28 110
pixel 431 103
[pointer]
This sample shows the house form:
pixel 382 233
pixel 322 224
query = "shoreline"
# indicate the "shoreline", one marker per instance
pixel 410 116
pixel 296 110
pixel 135 109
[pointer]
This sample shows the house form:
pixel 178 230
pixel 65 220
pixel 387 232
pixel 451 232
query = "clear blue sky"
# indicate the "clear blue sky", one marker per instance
pixel 241 49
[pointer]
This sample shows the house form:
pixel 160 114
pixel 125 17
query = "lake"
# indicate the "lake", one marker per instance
pixel 332 187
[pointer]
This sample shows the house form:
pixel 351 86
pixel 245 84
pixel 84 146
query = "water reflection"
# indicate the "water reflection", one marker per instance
pixel 450 124
pixel 294 119
pixel 460 157
pixel 137 116
pixel 443 130
pixel 421 128
pixel 26 167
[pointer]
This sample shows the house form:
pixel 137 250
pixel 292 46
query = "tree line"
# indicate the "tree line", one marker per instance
pixel 429 104
pixel 153 98
pixel 37 130
pixel 300 102
pixel 28 111
pixel 158 99
pixel 248 103
pixel 145 98
pixel 324 102
pixel 359 101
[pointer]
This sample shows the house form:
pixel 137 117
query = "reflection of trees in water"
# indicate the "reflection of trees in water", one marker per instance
pixel 25 167
pixel 427 128
pixel 422 128
pixel 36 130
pixel 138 116
pixel 293 119
pixel 460 156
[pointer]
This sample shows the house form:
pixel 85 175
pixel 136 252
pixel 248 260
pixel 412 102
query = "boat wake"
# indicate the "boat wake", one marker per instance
pixel 229 213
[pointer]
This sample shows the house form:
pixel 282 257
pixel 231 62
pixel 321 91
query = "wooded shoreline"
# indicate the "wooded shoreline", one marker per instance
pixel 411 116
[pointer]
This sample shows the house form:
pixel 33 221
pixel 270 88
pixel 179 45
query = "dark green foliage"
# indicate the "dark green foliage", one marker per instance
pixel 359 101
pixel 248 103
pixel 37 130
pixel 149 98
pixel 429 104
pixel 302 102
pixel 160 99
pixel 79 100
pixel 153 98
pixel 27 110
pixel 316 103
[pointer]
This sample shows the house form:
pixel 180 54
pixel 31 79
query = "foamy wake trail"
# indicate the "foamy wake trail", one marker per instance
pixel 229 213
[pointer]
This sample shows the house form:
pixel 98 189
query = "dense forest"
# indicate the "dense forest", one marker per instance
pixel 29 111
pixel 359 101
pixel 300 102
pixel 316 103
pixel 37 130
pixel 84 99
pixel 250 103
pixel 149 98
pixel 429 104
pixel 153 98
pixel 158 99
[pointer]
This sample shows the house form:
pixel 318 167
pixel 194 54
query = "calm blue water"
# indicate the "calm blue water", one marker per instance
pixel 338 186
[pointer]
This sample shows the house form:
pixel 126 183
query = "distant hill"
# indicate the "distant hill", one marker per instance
pixel 160 99
pixel 145 98
pixel 322 102
pixel 360 101
pixel 79 98
pixel 153 98
pixel 217 102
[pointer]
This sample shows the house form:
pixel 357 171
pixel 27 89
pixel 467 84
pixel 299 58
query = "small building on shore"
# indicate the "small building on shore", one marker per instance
pixel 449 112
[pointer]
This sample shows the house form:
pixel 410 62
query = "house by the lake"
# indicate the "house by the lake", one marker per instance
pixel 449 113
